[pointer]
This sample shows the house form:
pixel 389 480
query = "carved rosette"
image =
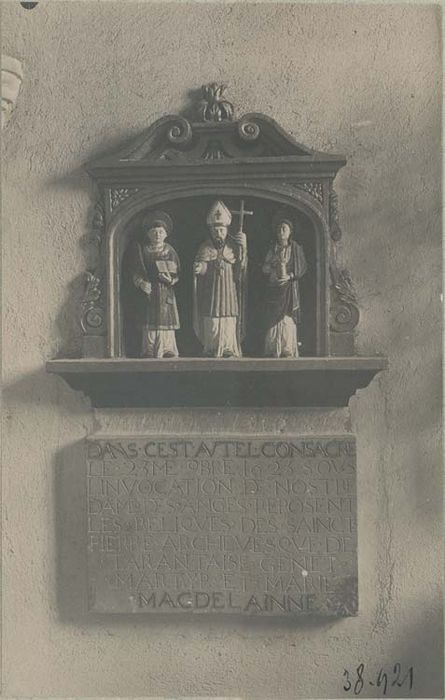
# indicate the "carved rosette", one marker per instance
pixel 344 313
pixel 93 318
pixel 120 194
pixel 248 130
pixel 180 133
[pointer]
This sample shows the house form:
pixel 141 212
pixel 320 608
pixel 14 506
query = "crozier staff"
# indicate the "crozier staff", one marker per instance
pixel 219 287
pixel 284 265
pixel 155 273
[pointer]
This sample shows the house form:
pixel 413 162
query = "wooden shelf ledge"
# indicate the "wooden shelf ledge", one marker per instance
pixel 190 381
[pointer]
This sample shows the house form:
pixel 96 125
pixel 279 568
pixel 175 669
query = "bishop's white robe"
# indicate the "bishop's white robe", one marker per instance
pixel 218 299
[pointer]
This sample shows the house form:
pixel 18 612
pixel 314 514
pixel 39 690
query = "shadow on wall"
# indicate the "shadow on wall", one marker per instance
pixel 410 667
pixel 67 322
pixel 41 389
pixel 123 141
pixel 70 565
pixel 423 649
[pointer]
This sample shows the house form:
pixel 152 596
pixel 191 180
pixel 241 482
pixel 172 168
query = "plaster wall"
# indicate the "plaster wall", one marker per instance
pixel 363 80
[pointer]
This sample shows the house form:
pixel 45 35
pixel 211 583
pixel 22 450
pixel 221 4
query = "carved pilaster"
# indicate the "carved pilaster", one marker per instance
pixel 344 312
pixel 334 224
pixel 93 317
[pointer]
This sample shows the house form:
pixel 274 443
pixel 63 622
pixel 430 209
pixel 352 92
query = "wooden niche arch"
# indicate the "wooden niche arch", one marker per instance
pixel 120 230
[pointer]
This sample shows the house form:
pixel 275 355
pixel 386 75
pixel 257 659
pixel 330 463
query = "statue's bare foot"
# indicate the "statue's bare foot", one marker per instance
pixel 227 353
pixel 169 354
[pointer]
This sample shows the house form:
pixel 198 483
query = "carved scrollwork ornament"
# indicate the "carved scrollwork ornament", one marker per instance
pixel 344 317
pixel 344 312
pixel 248 130
pixel 93 317
pixel 315 189
pixel 180 133
pixel 92 320
pixel 336 232
pixel 98 223
pixel 119 194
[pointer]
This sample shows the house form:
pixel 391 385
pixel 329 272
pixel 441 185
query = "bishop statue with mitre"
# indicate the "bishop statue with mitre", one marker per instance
pixel 219 292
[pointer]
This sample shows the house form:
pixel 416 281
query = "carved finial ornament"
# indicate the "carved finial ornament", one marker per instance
pixel 213 107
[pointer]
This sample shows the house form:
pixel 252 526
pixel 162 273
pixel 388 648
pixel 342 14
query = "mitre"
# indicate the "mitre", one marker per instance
pixel 219 215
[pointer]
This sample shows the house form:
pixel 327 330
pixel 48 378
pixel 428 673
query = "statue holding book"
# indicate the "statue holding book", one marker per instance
pixel 155 271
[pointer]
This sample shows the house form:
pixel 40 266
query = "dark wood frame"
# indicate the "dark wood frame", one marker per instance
pixel 250 157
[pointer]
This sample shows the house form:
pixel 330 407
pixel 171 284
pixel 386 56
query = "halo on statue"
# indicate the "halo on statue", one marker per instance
pixel 157 218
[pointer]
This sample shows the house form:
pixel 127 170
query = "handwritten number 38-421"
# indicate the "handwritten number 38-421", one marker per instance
pixel 385 680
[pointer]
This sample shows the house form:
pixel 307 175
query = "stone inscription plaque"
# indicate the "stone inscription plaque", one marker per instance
pixel 242 525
